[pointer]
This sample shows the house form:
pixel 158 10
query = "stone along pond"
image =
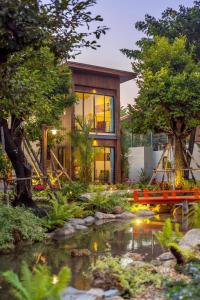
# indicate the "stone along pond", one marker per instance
pixel 81 250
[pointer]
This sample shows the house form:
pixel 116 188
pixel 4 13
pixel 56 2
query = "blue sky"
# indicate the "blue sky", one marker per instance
pixel 120 16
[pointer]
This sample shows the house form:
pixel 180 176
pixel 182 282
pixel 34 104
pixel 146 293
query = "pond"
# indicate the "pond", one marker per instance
pixel 118 237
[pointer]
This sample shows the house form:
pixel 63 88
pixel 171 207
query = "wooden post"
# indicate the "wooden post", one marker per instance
pixel 44 148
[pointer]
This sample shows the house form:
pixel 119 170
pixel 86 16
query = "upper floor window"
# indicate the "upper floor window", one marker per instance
pixel 97 111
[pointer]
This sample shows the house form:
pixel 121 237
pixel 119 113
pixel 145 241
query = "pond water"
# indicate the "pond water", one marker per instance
pixel 119 237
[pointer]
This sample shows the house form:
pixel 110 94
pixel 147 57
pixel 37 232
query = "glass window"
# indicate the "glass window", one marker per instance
pixel 89 109
pixel 104 162
pixel 79 108
pixel 97 111
pixel 100 124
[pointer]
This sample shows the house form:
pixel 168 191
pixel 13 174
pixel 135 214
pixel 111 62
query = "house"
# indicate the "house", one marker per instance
pixel 98 91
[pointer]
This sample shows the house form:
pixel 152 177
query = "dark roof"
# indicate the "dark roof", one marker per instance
pixel 92 69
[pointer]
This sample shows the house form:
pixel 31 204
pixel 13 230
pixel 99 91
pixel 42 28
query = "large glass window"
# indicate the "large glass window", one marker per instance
pixel 104 163
pixel 97 111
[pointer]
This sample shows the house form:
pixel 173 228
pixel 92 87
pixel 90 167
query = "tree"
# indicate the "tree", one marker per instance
pixel 173 24
pixel 36 40
pixel 169 100
pixel 84 153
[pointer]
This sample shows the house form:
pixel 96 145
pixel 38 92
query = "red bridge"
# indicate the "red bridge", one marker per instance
pixel 165 196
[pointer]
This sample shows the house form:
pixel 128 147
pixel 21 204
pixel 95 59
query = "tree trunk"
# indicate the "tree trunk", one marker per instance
pixel 190 148
pixel 23 170
pixel 179 161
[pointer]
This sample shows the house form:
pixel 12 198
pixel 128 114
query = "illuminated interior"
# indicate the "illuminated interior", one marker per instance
pixel 96 110
pixel 103 164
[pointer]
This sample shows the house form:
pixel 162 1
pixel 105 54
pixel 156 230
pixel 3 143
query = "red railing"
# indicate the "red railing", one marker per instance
pixel 165 196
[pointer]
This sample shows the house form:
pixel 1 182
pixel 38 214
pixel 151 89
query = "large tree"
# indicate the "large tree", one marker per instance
pixel 169 100
pixel 36 41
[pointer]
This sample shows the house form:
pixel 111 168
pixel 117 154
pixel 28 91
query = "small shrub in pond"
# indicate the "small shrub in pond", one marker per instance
pixel 168 235
pixel 18 223
pixel 38 284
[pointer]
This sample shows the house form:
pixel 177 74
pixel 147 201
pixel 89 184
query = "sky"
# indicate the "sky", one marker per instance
pixel 120 16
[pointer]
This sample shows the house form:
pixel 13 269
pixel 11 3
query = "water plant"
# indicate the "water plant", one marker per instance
pixel 168 236
pixel 38 284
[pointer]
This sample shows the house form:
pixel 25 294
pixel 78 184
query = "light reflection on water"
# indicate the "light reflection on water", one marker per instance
pixel 135 236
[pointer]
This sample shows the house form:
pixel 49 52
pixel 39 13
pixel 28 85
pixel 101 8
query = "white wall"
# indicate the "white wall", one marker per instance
pixel 142 158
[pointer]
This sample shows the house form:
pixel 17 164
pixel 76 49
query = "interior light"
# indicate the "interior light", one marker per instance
pixel 94 91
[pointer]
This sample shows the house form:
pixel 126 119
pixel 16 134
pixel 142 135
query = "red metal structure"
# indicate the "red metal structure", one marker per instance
pixel 166 196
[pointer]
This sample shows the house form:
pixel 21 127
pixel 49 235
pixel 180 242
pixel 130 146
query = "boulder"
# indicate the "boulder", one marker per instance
pixel 62 233
pixel 165 256
pixel 145 213
pixel 104 221
pixel 117 210
pixel 191 239
pixel 77 221
pixel 101 216
pixel 80 227
pixel 74 294
pixel 89 220
pixel 111 293
pixel 125 215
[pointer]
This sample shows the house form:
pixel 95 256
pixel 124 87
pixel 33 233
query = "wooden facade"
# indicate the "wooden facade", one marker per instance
pixel 102 81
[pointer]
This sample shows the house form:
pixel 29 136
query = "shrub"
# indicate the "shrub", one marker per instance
pixel 73 190
pixel 168 236
pixel 18 223
pixel 39 284
pixel 105 203
pixel 60 212
pixel 129 280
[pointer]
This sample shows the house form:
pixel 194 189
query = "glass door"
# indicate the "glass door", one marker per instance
pixel 104 164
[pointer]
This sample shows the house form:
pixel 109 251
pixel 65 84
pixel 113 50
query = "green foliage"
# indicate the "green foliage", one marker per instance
pixel 105 203
pixel 38 284
pixel 182 289
pixel 4 163
pixel 129 280
pixel 194 215
pixel 168 236
pixel 84 152
pixel 18 224
pixel 93 188
pixel 73 190
pixel 61 211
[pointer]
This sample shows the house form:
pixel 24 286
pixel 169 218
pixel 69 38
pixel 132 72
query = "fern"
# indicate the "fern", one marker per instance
pixel 39 284
pixel 167 235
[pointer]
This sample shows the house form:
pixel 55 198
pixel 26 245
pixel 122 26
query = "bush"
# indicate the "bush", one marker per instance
pixel 39 284
pixel 18 223
pixel 60 212
pixel 168 236
pixel 105 203
pixel 129 280
pixel 73 190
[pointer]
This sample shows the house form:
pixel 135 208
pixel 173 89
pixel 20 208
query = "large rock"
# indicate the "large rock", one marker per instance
pixel 145 213
pixel 62 233
pixel 80 227
pixel 117 210
pixel 74 294
pixel 191 239
pixel 101 216
pixel 165 256
pixel 125 215
pixel 89 220
pixel 77 221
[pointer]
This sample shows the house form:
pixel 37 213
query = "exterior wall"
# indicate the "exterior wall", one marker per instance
pixel 142 158
pixel 196 156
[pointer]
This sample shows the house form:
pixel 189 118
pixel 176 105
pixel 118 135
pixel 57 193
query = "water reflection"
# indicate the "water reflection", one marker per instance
pixel 120 237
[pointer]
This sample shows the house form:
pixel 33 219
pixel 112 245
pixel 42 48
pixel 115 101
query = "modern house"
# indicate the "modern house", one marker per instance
pixel 98 91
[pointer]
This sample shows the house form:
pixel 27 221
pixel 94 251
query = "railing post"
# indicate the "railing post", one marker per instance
pixel 135 195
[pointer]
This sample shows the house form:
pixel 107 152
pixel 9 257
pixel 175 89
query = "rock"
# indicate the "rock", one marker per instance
pixel 135 256
pixel 126 261
pixel 116 298
pixel 111 293
pixel 104 221
pixel 191 239
pixel 62 233
pixel 145 213
pixel 165 256
pixel 165 208
pixel 101 216
pixel 74 294
pixel 125 215
pixel 89 220
pixel 105 279
pixel 117 210
pixel 80 227
pixel 80 252
pixel 77 221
